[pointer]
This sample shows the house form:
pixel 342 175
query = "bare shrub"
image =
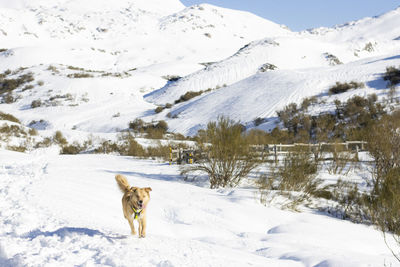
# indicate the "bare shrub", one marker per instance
pixel 383 145
pixel 258 121
pixel 8 85
pixel 294 178
pixel 133 148
pixel 392 75
pixel 384 204
pixel 187 96
pixel 8 117
pixel 80 75
pixel 72 149
pixel 341 161
pixel 36 103
pixel 46 142
pixel 384 207
pixel 9 98
pixel 159 109
pixel 339 87
pixel 349 202
pixel 229 158
pixel 152 130
pixel 267 66
pixel 159 151
pixel 59 138
pixel 171 78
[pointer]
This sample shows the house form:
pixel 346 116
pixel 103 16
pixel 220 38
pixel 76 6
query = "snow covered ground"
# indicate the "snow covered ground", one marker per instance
pixel 66 211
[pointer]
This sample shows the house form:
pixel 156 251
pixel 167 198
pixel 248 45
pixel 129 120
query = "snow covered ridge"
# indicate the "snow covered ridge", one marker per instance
pixel 379 27
pixel 156 6
pixel 315 48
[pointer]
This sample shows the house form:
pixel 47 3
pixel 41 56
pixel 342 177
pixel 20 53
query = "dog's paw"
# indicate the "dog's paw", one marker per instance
pixel 142 236
pixel 133 233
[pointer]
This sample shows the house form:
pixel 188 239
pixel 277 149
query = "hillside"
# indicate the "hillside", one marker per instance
pixel 110 60
pixel 110 55
pixel 262 94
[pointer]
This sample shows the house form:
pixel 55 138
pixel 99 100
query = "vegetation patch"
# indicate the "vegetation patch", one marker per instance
pixel 172 78
pixel 339 87
pixel 332 59
pixel 392 75
pixel 267 67
pixel 183 98
pixel 351 120
pixel 10 84
pixel 151 130
pixel 8 117
pixel 80 75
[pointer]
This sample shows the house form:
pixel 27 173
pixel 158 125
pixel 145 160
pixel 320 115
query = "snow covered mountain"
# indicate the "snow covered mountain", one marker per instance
pixel 267 74
pixel 315 48
pixel 97 65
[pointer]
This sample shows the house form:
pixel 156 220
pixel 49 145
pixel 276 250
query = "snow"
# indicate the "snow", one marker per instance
pixel 58 210
pixel 66 210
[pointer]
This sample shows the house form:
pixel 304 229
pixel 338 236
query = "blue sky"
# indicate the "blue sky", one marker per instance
pixel 305 14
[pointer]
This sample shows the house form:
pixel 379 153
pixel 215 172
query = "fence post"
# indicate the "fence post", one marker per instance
pixel 170 155
pixel 357 151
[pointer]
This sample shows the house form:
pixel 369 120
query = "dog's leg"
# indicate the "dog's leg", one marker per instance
pixel 132 227
pixel 142 227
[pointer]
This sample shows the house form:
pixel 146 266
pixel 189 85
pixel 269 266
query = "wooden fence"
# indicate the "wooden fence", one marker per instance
pixel 189 156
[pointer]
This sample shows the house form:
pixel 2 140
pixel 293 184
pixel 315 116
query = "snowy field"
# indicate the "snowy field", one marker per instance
pixel 58 210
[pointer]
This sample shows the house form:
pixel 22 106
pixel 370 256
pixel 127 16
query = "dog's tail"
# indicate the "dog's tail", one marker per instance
pixel 122 183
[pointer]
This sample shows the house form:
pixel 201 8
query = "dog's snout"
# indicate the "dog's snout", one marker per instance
pixel 140 201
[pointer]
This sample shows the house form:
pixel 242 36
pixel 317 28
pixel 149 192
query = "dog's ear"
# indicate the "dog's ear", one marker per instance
pixel 133 189
pixel 147 189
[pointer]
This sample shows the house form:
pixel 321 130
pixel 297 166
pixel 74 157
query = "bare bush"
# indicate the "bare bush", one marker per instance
pixel 341 161
pixel 295 178
pixel 392 75
pixel 8 117
pixel 384 204
pixel 349 201
pixel 339 87
pixel 229 157
pixel 152 130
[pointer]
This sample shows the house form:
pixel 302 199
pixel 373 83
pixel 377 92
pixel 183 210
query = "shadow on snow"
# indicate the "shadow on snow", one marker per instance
pixel 68 231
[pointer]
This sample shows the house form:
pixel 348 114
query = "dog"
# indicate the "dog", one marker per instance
pixel 134 204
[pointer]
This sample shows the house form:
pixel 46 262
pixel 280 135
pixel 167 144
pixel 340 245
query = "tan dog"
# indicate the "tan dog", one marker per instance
pixel 134 203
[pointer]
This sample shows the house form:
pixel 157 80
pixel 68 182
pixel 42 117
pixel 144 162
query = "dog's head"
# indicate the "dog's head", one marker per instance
pixel 139 197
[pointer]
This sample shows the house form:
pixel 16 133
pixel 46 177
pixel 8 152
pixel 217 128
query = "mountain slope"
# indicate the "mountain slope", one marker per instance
pixel 96 67
pixel 110 55
pixel 261 95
